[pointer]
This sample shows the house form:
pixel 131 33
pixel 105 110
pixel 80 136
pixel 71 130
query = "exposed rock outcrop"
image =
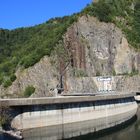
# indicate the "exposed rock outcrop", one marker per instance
pixel 100 48
pixel 43 76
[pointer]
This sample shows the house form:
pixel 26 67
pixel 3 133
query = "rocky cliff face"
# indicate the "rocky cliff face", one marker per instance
pixel 43 76
pixel 95 49
pixel 100 48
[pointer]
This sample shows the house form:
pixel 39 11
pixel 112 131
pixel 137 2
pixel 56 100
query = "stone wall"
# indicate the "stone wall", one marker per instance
pixel 91 85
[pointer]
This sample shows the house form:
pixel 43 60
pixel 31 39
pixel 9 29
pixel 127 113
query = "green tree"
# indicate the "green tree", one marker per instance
pixel 7 83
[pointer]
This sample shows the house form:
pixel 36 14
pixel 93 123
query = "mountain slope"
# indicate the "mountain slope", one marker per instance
pixel 89 48
pixel 26 46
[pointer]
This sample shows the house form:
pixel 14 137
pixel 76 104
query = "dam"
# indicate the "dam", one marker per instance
pixel 66 113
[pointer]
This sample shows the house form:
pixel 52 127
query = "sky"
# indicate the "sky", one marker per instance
pixel 24 13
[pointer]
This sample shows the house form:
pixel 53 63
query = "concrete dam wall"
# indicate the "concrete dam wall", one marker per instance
pixel 102 113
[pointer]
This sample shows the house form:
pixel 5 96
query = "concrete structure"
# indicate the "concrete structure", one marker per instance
pixel 65 99
pixel 105 84
pixel 102 111
pixel 137 97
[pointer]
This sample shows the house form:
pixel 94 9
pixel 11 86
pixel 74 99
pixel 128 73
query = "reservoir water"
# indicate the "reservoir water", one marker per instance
pixel 127 131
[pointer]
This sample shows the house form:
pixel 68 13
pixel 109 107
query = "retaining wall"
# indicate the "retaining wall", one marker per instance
pixel 104 113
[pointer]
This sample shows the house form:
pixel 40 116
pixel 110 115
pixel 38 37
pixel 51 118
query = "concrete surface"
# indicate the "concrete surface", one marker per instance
pixel 109 113
pixel 63 99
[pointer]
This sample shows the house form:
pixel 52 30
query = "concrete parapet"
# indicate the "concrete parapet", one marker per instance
pixel 63 99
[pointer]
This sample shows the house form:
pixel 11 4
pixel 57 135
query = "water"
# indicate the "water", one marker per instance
pixel 6 137
pixel 128 131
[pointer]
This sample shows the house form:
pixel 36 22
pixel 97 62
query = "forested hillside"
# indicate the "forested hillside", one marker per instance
pixel 24 47
pixel 124 13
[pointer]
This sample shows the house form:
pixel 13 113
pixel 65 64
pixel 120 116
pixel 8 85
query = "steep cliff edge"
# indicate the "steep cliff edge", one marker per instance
pixel 101 49
pixel 94 49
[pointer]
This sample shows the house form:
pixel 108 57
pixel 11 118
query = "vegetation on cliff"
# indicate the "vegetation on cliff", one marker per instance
pixel 24 47
pixel 4 115
pixel 29 90
pixel 124 13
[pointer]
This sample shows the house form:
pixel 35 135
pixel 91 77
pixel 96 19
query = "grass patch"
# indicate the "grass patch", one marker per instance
pixel 28 91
